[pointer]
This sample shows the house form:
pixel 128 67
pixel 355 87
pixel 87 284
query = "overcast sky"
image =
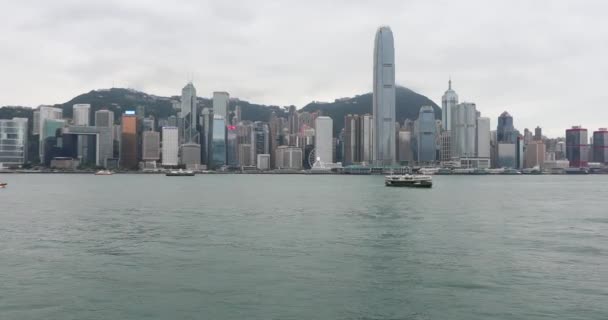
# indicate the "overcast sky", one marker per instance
pixel 546 62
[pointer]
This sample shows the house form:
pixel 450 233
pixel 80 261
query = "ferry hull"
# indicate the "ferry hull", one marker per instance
pixel 409 184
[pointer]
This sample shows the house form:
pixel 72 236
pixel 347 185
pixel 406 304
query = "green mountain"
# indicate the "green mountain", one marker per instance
pixel 119 100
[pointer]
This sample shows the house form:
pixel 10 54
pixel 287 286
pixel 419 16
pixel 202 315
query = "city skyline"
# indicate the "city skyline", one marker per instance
pixel 524 68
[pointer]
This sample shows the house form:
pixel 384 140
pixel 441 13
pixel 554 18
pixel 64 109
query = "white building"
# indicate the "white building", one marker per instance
pixel 464 121
pixel 81 114
pixel 448 101
pixel 170 146
pixel 323 139
pixel 483 138
pixel 263 161
pixel 288 157
pixel 13 142
pixel 220 104
pixel 384 98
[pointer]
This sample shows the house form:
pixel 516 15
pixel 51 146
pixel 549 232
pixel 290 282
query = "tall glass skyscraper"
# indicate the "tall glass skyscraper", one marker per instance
pixel 218 144
pixel 384 97
pixel 427 147
pixel 448 101
pixel 188 115
pixel 505 131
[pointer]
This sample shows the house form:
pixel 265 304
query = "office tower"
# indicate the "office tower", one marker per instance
pixel 220 104
pixel 218 143
pixel 263 161
pixel 464 122
pixel 507 155
pixel 289 157
pixel 245 152
pixel 232 146
pixel 404 147
pixel 170 148
pixel 577 151
pixel 384 98
pixel 148 124
pixel 367 131
pixel 445 146
pixel 505 131
pixel 36 122
pixel 448 101
pixel 188 115
pixel 104 118
pixel 534 154
pixel 140 112
pixel 482 138
pixel 323 139
pixel 128 141
pixel 352 139
pixel 426 141
pixel 520 153
pixel 51 139
pixel 206 136
pixel 81 114
pixel 292 119
pixel 538 134
pixel 13 142
pixel 306 120
pixel 45 113
pixel 274 127
pixel 238 115
pixel 172 121
pixel 151 146
pixel 560 150
pixel 493 149
pixel 527 136
pixel 600 145
pixel 191 155
pixel 261 139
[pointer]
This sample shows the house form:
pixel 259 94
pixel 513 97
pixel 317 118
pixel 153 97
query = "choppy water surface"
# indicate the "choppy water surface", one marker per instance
pixel 302 247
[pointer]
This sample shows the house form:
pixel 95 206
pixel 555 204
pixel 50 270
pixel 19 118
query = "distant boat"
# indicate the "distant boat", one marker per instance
pixel 104 173
pixel 576 171
pixel 3 185
pixel 180 173
pixel 408 180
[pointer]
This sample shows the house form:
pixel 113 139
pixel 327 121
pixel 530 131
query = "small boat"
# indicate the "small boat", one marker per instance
pixel 180 173
pixel 104 173
pixel 3 185
pixel 408 180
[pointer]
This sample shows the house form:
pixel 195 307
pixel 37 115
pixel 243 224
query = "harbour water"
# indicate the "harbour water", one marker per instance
pixel 302 247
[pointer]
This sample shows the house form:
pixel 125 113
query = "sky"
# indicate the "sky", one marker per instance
pixel 545 62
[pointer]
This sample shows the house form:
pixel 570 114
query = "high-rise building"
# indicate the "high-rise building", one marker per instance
pixel 464 123
pixel 220 104
pixel 323 139
pixel 151 146
pixel 148 124
pixel 244 155
pixel 170 148
pixel 263 161
pixel 445 146
pixel 188 115
pixel 404 147
pixel 81 114
pixel 482 138
pixel 191 155
pixel 527 136
pixel 36 122
pixel 600 145
pixel 104 118
pixel 384 98
pixel 534 154
pixel 292 120
pixel 261 139
pixel 206 135
pixel 505 131
pixel 426 135
pixel 577 145
pixel 289 157
pixel 51 139
pixel 218 144
pixel 538 134
pixel 45 113
pixel 128 141
pixel 448 101
pixel 13 142
pixel 352 139
pixel 507 155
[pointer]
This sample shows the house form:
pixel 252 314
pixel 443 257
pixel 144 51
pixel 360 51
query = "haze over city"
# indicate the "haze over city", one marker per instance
pixel 544 64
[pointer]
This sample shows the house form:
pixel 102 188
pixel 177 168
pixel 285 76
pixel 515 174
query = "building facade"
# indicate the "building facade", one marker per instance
pixel 128 142
pixel 448 101
pixel 170 146
pixel 81 114
pixel 221 101
pixel 426 136
pixel 577 147
pixel 151 146
pixel 600 145
pixel 13 142
pixel 464 123
pixel 323 139
pixel 384 98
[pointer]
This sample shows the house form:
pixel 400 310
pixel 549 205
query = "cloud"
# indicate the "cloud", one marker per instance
pixel 544 61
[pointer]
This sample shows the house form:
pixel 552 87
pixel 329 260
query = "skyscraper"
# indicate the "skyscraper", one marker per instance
pixel 448 101
pixel 384 98
pixel 188 115
pixel 218 143
pixel 170 146
pixel 577 145
pixel 43 114
pixel 13 141
pixel 323 139
pixel 81 114
pixel 426 140
pixel 104 118
pixel 538 134
pixel 482 138
pixel 464 122
pixel 128 141
pixel 261 139
pixel 220 104
pixel 505 131
pixel 151 146
pixel 600 145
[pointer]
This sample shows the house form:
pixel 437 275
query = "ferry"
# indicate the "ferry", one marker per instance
pixel 3 185
pixel 407 180
pixel 180 173
pixel 104 173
